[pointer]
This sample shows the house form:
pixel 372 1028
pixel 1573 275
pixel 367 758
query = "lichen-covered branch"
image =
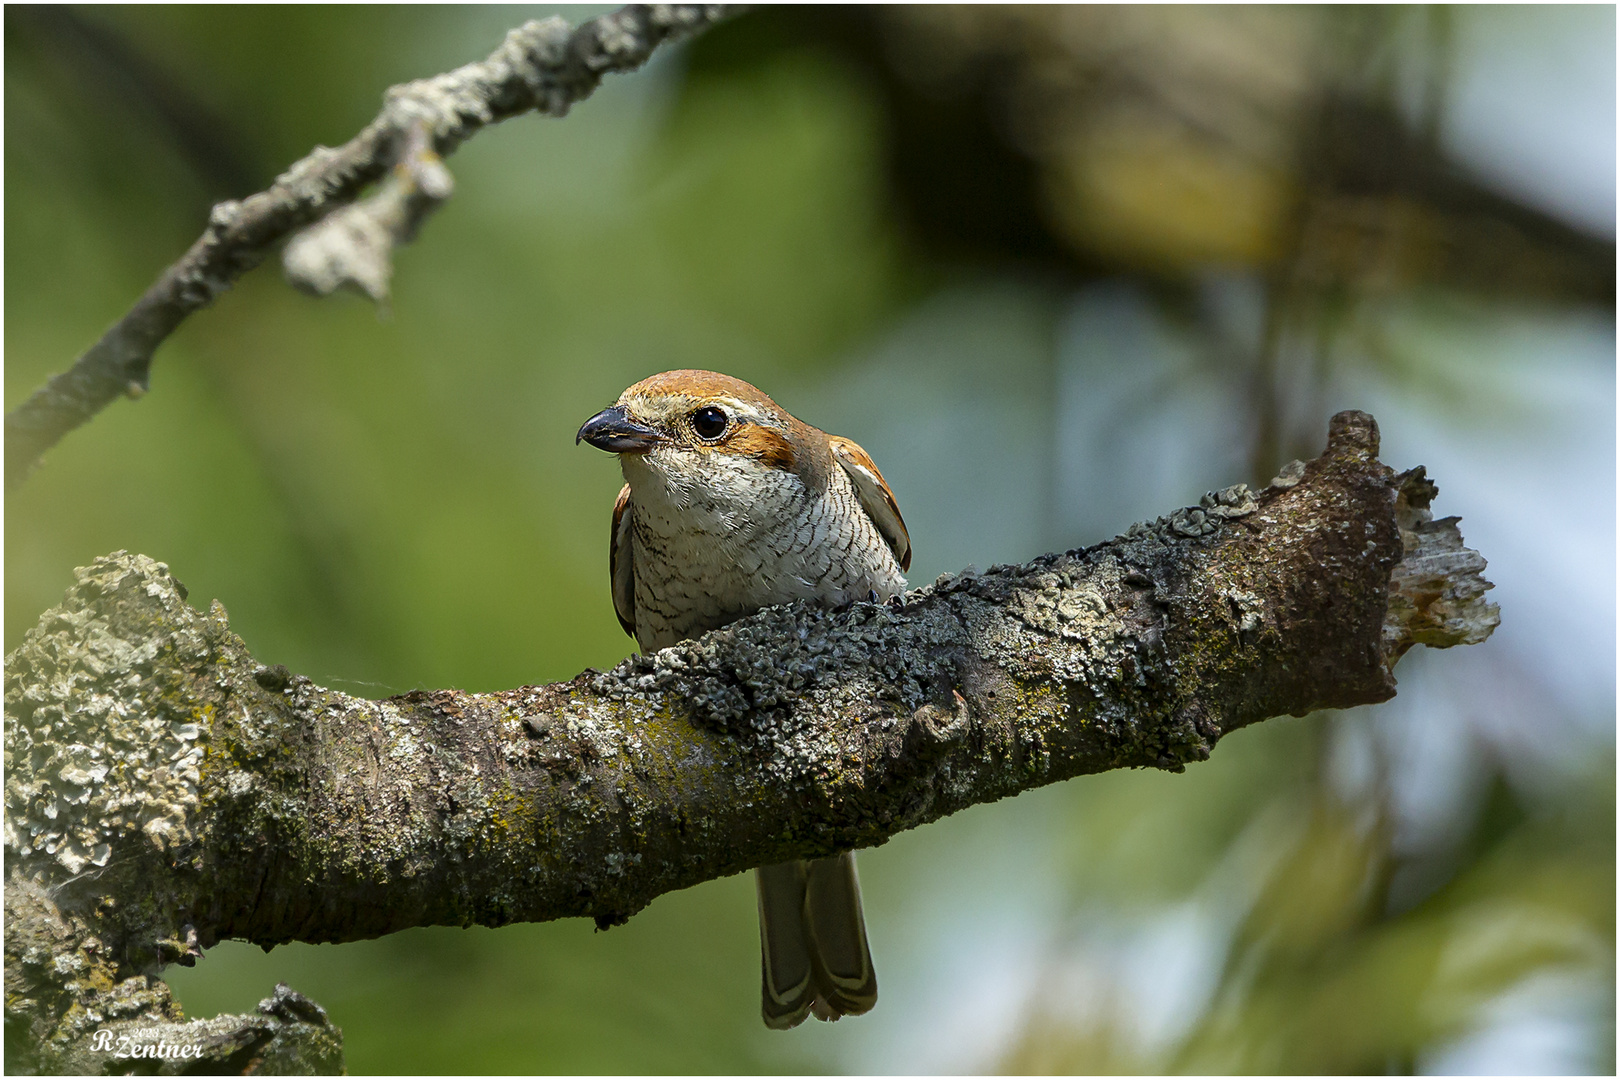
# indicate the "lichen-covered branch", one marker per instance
pixel 354 246
pixel 73 1007
pixel 168 791
pixel 543 66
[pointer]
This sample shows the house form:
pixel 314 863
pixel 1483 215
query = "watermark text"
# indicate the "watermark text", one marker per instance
pixel 142 1043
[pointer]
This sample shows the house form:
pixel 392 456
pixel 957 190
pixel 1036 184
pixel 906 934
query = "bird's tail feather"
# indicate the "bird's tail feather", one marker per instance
pixel 814 956
pixel 784 953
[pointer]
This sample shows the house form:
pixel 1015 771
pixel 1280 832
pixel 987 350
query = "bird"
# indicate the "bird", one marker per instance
pixel 731 504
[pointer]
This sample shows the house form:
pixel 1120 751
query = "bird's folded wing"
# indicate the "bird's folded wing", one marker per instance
pixel 621 565
pixel 876 498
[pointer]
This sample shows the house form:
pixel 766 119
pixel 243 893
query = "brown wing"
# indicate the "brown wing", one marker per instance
pixel 876 498
pixel 621 567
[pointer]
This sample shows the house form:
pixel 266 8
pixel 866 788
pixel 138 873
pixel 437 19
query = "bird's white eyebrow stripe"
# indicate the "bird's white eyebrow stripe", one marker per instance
pixel 745 411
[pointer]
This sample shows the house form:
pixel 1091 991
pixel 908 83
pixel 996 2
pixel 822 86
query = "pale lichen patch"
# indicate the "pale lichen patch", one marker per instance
pixel 87 764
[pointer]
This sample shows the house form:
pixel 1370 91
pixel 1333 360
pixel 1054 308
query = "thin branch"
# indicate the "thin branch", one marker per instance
pixel 151 760
pixel 543 66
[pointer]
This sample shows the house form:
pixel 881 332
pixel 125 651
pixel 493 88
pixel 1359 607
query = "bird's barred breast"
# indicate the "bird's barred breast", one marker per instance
pixel 704 559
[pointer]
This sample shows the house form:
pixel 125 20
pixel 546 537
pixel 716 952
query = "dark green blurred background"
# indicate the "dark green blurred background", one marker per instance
pixel 1057 269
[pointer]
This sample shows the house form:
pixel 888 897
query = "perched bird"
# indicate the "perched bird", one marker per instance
pixel 730 505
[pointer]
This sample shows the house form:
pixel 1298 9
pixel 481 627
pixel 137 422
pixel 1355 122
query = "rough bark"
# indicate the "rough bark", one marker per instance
pixel 165 791
pixel 543 66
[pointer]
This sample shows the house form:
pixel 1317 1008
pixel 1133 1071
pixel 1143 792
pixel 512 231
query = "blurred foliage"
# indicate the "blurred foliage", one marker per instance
pixel 1053 267
pixel 1326 971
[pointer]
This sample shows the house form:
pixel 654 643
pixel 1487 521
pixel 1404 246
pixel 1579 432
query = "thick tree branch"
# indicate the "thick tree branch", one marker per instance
pixel 542 66
pixel 164 790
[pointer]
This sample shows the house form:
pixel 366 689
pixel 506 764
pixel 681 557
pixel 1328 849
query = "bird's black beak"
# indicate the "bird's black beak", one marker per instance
pixel 613 431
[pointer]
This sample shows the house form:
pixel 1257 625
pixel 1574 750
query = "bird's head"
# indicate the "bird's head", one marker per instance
pixel 694 430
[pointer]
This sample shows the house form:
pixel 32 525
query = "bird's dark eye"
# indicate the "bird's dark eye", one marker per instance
pixel 709 423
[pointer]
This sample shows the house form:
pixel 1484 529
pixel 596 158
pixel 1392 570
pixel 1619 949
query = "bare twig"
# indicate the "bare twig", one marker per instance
pixel 543 66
